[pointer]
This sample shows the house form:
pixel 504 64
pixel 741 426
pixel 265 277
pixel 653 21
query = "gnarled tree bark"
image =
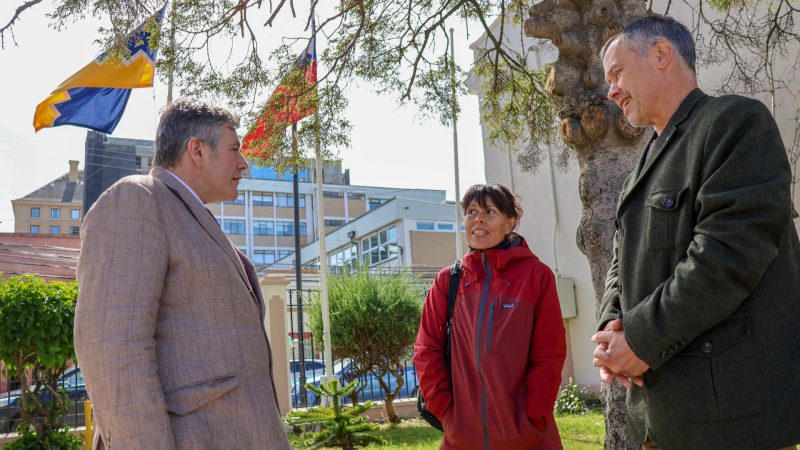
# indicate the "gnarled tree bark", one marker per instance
pixel 605 144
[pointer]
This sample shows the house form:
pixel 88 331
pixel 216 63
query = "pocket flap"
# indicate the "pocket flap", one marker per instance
pixel 666 200
pixel 188 398
pixel 718 339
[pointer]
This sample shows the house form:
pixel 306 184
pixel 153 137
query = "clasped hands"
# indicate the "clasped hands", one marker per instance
pixel 614 357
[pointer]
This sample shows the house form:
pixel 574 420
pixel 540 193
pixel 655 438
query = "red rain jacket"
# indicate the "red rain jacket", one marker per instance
pixel 508 347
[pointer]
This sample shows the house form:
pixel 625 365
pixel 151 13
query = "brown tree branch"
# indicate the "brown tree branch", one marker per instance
pixel 9 26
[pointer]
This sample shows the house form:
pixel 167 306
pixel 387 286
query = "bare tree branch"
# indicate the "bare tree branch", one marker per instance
pixel 9 26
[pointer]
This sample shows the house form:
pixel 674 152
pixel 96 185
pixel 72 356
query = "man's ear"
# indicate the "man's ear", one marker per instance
pixel 196 151
pixel 664 52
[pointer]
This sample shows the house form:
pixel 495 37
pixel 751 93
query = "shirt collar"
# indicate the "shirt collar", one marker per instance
pixel 186 186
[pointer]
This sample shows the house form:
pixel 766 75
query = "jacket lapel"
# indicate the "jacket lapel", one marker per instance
pixel 647 161
pixel 252 277
pixel 204 218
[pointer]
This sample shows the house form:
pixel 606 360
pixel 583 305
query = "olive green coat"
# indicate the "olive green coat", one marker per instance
pixel 706 279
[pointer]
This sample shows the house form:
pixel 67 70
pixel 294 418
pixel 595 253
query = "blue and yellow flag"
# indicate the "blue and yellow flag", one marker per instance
pixel 95 97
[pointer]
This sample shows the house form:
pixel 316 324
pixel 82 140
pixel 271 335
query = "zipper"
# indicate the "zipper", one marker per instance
pixel 482 307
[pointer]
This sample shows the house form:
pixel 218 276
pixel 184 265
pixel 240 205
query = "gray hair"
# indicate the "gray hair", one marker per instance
pixel 645 32
pixel 184 119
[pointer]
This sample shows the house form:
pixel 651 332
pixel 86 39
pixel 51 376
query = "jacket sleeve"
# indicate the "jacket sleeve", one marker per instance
pixel 434 378
pixel 743 209
pixel 121 271
pixel 610 308
pixel 548 351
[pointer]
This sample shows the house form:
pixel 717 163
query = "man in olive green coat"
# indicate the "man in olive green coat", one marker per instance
pixel 702 299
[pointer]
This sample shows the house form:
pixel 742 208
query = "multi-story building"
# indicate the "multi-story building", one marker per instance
pixel 261 220
pixel 55 208
pixel 410 233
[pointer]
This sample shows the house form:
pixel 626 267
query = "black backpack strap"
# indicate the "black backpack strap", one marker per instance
pixel 452 293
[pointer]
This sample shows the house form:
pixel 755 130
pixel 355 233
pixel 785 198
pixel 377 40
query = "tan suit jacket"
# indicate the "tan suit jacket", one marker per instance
pixel 169 325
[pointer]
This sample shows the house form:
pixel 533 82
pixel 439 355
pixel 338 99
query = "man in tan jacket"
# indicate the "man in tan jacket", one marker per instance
pixel 169 325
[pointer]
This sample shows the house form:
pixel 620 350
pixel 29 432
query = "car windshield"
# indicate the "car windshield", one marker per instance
pixel 72 379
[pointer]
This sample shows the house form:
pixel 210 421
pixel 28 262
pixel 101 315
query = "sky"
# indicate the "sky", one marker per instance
pixel 390 146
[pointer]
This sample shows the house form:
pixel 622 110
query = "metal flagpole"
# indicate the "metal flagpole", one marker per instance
pixel 323 254
pixel 459 249
pixel 171 77
pixel 298 273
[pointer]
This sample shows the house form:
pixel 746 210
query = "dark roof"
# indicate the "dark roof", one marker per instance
pixel 50 257
pixel 60 189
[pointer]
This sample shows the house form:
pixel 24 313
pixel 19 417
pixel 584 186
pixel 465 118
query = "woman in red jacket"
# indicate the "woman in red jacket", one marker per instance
pixel 507 341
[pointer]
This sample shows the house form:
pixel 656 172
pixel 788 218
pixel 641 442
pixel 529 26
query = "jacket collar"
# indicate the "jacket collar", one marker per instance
pixel 498 258
pixel 646 162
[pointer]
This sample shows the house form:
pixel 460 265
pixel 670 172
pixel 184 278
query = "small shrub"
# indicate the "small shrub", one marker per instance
pixel 571 399
pixel 54 439
pixel 342 427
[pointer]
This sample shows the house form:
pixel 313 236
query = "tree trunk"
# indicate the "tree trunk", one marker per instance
pixel 605 145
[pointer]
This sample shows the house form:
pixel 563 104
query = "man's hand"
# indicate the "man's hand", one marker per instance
pixel 614 357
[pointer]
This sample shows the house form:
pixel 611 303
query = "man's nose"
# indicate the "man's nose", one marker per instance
pixel 613 93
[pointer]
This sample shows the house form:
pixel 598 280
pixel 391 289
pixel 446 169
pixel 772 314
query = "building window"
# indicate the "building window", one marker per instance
pixel 287 200
pixel 379 247
pixel 233 226
pixel 262 199
pixel 263 256
pixel 55 229
pixel 287 228
pixel 425 226
pixel 284 253
pixel 333 194
pixel 356 195
pixel 74 231
pixel 35 212
pixel 239 200
pixel 143 162
pixel 34 229
pixel 75 214
pixel 263 228
pixel 344 259
pixel 375 202
pixel 55 213
pixel 445 226
pixel 334 222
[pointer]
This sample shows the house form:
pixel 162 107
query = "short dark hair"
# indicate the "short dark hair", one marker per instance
pixel 184 119
pixel 645 32
pixel 501 196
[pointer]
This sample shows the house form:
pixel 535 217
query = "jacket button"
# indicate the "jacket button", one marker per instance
pixel 707 347
pixel 668 202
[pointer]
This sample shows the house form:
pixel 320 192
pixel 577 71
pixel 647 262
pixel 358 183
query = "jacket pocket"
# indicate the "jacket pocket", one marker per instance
pixel 185 399
pixel 664 228
pixel 712 378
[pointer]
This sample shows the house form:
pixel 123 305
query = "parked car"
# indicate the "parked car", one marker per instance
pixel 372 388
pixel 73 384
pixel 313 368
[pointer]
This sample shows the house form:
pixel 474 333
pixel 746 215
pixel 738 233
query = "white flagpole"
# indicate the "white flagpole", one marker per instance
pixel 323 254
pixel 459 249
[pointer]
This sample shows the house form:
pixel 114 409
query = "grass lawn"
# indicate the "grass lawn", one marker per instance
pixel 582 432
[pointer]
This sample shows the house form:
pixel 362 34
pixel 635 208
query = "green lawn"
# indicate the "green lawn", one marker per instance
pixel 582 432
